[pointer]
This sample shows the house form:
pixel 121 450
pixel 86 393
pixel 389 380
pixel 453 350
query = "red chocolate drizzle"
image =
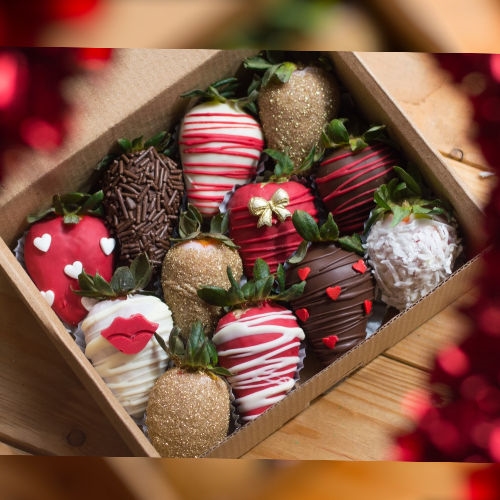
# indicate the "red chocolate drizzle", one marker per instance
pixel 346 182
pixel 143 192
pixel 274 244
pixel 344 316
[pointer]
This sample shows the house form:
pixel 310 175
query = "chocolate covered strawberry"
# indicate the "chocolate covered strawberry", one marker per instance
pixel 220 145
pixel 412 242
pixel 118 331
pixel 143 190
pixel 198 257
pixel 339 288
pixel 258 340
pixel 350 172
pixel 189 408
pixel 61 242
pixel 295 101
pixel 260 214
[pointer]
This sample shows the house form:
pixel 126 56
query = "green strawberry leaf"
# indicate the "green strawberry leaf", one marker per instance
pixel 352 244
pixel 410 182
pixel 260 269
pixel 294 292
pixel 213 295
pixel 306 225
pixel 357 144
pixel 300 253
pixel 122 281
pixel 329 231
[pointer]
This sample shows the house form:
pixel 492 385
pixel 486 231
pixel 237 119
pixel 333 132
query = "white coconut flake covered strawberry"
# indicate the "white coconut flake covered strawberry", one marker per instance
pixel 411 259
pixel 412 243
pixel 220 145
pixel 258 341
pixel 118 333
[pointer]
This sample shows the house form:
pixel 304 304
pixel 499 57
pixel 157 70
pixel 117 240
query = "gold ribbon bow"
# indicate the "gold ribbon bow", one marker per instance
pixel 264 209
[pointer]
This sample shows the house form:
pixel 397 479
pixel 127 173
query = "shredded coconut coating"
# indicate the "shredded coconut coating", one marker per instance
pixel 411 258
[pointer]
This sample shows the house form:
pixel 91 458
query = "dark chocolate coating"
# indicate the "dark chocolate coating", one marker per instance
pixel 346 182
pixel 346 317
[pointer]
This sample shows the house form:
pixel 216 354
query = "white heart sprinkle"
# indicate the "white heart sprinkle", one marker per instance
pixel 107 245
pixel 49 296
pixel 73 270
pixel 88 302
pixel 43 242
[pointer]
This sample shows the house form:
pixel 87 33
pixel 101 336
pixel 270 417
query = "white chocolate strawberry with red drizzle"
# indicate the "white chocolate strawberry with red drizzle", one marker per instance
pixel 258 341
pixel 260 214
pixel 118 332
pixel 65 239
pixel 220 145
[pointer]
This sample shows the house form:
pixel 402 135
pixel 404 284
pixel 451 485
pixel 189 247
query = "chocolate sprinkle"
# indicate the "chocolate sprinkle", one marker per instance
pixel 143 194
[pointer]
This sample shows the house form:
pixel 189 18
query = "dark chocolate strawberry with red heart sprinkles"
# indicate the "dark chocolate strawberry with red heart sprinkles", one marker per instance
pixel 339 290
pixel 260 213
pixel 61 242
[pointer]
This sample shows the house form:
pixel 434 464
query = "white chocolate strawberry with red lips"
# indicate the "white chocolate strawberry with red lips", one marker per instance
pixel 65 239
pixel 220 146
pixel 118 332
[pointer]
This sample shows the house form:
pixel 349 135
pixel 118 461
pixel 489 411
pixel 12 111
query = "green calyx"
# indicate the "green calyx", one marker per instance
pixel 196 352
pixel 125 281
pixel 224 90
pixel 336 135
pixel 402 197
pixel 72 207
pixel 271 67
pixel 264 286
pixel 285 168
pixel 159 141
pixel 191 222
pixel 328 232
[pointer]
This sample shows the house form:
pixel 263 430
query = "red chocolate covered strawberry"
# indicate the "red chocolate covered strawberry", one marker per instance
pixel 260 215
pixel 220 145
pixel 258 341
pixel 350 172
pixel 61 242
pixel 339 289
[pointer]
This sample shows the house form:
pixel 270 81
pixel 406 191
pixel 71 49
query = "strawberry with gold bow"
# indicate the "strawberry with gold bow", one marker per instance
pixel 260 213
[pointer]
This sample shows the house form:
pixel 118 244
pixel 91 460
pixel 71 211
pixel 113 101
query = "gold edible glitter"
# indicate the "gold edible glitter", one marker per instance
pixel 189 266
pixel 293 114
pixel 188 413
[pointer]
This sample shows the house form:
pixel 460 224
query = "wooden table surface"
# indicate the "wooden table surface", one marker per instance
pixel 358 418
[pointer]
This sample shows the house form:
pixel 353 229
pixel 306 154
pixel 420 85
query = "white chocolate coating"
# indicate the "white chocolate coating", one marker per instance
pixel 130 376
pixel 411 258
pixel 220 146
pixel 267 367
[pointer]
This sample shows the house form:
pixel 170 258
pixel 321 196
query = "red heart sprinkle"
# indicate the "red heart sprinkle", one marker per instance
pixel 130 335
pixel 360 266
pixel 303 272
pixel 368 304
pixel 302 314
pixel 330 341
pixel 333 292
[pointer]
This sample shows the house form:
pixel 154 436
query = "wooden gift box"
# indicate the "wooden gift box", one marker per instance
pixel 139 95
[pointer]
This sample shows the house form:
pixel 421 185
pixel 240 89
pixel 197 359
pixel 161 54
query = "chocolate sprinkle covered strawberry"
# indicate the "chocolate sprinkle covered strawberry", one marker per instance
pixel 412 242
pixel 258 340
pixel 143 191
pixel 62 241
pixel 350 172
pixel 339 288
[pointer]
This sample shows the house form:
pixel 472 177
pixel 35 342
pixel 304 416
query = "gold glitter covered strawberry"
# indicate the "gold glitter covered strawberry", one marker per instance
pixel 189 408
pixel 197 259
pixel 296 100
